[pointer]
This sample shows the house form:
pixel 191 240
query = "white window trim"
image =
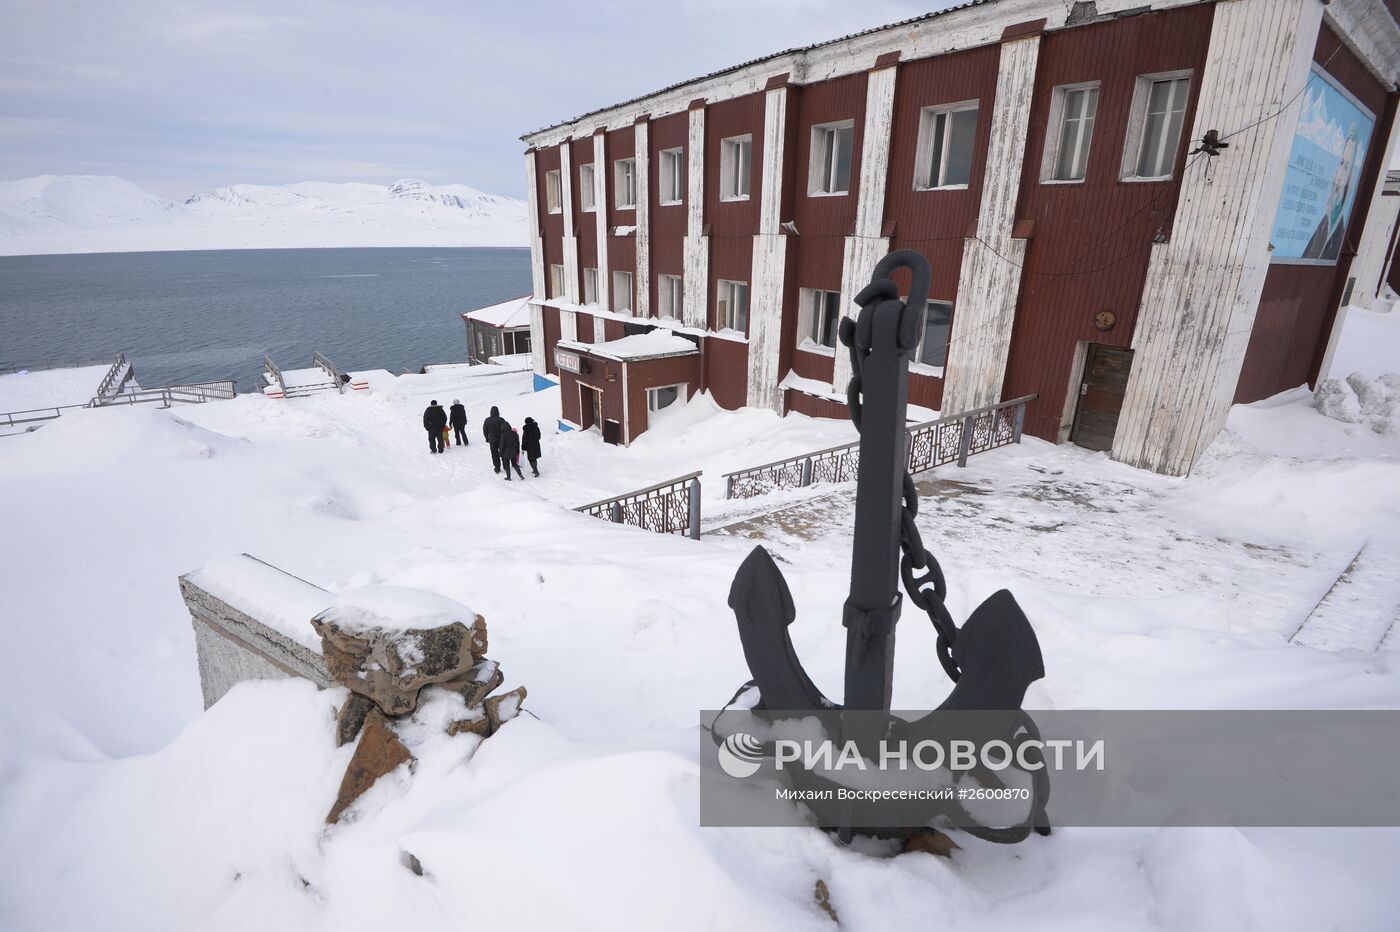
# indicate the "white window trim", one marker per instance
pixel 813 156
pixel 679 153
pixel 721 287
pixel 586 301
pixel 806 317
pixel 1050 153
pixel 1137 124
pixel 925 145
pixel 590 186
pixel 662 289
pixel 724 147
pixel 554 174
pixel 923 368
pixel 682 395
pixel 619 189
pixel 615 291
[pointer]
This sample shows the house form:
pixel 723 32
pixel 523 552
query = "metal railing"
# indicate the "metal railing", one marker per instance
pixel 115 378
pixel 195 393
pixel 270 368
pixel 949 439
pixel 318 360
pixel 36 415
pixel 670 507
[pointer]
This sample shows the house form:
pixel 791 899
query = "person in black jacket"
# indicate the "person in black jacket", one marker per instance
pixel 491 430
pixel 458 418
pixel 434 422
pixel 530 443
pixel 510 450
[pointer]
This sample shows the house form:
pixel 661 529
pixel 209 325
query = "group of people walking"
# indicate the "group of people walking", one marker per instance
pixel 505 442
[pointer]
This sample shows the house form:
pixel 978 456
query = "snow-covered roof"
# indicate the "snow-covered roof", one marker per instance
pixel 512 313
pixel 654 343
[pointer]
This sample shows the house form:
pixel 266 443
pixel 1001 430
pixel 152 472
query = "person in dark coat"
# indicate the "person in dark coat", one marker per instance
pixel 491 430
pixel 530 443
pixel 510 450
pixel 458 417
pixel 434 422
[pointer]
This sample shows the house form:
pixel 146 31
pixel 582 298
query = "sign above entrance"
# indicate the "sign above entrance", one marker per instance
pixel 569 361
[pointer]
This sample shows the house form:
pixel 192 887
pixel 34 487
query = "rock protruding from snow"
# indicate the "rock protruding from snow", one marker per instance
pixel 379 752
pixel 386 643
pixel 1360 399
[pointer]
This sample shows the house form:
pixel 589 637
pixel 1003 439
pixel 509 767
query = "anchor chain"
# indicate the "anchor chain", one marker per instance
pixel 929 590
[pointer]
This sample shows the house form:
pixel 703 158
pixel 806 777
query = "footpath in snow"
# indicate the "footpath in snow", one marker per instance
pixel 124 806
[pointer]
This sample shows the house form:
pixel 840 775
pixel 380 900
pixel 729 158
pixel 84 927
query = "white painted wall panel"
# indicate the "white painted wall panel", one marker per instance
pixel 695 277
pixel 1203 287
pixel 642 281
pixel 989 281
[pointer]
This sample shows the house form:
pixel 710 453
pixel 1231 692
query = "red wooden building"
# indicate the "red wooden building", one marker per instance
pixel 1046 157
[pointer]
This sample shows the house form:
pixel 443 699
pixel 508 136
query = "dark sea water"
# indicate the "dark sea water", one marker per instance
pixel 195 316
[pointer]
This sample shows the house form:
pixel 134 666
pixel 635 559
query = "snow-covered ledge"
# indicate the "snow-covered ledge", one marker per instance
pixel 252 621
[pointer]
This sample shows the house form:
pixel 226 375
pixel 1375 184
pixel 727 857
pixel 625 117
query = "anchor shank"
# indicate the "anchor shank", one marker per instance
pixel 873 606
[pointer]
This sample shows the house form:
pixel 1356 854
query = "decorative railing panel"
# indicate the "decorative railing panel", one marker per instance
pixel 671 507
pixel 936 443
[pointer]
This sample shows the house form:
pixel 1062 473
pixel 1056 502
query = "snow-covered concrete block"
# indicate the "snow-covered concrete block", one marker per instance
pixel 244 614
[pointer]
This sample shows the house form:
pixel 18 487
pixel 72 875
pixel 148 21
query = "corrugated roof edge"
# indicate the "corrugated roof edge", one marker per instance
pixel 756 61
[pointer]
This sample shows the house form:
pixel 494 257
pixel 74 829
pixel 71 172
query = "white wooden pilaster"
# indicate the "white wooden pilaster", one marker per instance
pixel 989 281
pixel 641 281
pixel 863 251
pixel 769 262
pixel 601 184
pixel 696 248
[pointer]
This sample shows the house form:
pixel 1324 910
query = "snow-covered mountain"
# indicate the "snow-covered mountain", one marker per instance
pixel 100 213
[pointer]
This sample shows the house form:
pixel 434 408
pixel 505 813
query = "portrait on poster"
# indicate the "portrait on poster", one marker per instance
pixel 1324 170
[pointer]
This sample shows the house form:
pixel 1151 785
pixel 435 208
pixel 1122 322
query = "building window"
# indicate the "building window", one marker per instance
pixel 518 343
pixel 672 177
pixel 552 198
pixel 1072 110
pixel 938 323
pixel 664 397
pixel 669 298
pixel 556 281
pixel 590 286
pixel 625 178
pixel 622 291
pixel 732 306
pixel 1154 128
pixel 821 314
pixel 946 135
pixel 830 170
pixel 587 189
pixel 735 158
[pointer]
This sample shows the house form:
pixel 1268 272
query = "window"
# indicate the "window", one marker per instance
pixel 587 189
pixel 831 158
pixel 672 176
pixel 625 180
pixel 556 281
pixel 938 322
pixel 664 397
pixel 821 314
pixel 1074 108
pixel 1159 107
pixel 552 198
pixel 946 135
pixel 670 299
pixel 622 291
pixel 735 158
pixel 590 286
pixel 732 306
pixel 518 343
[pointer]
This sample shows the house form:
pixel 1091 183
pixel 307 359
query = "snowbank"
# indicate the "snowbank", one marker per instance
pixel 394 608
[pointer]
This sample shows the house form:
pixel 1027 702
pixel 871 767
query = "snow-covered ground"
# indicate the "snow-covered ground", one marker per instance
pixel 26 390
pixel 123 807
pixel 99 213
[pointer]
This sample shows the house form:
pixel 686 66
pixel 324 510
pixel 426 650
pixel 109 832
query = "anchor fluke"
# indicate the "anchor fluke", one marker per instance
pixel 763 606
pixel 998 655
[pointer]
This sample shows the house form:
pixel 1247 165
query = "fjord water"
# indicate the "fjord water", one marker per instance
pixel 194 316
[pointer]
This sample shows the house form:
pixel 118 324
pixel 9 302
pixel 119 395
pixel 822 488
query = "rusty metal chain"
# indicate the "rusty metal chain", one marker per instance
pixel 929 590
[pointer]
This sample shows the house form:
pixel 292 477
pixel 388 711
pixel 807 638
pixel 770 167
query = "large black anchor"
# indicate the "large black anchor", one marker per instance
pixel 992 659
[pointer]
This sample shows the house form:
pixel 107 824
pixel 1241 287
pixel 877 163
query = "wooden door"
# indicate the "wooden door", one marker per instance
pixel 1101 393
pixel 590 407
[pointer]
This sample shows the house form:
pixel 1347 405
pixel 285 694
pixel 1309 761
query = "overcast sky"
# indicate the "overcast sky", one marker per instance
pixel 180 96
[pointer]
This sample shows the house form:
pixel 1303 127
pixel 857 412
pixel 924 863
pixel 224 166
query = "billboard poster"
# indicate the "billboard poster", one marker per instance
pixel 1324 170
